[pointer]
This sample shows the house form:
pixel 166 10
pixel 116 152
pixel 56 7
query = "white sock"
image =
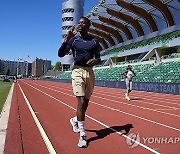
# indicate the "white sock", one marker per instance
pixel 81 128
pixel 75 119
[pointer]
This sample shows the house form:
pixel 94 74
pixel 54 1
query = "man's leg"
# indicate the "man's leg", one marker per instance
pixel 81 109
pixel 82 91
pixel 130 86
pixel 80 113
pixel 128 89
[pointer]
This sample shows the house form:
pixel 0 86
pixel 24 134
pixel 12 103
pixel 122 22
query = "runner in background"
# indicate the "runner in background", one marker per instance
pixel 128 74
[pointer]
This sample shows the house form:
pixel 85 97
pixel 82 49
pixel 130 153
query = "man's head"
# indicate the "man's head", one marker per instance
pixel 83 25
pixel 129 67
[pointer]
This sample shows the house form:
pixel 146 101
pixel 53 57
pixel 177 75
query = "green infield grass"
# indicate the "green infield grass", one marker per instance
pixel 4 91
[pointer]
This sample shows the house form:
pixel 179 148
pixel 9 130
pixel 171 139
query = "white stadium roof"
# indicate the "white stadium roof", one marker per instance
pixel 117 21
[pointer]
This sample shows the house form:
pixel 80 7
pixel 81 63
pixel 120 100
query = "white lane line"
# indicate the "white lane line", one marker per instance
pixel 118 102
pixel 139 117
pixel 41 130
pixel 145 108
pixel 145 95
pixel 121 134
pixel 117 94
pixel 120 111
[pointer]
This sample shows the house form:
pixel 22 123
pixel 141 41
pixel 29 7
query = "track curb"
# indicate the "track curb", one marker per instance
pixel 4 116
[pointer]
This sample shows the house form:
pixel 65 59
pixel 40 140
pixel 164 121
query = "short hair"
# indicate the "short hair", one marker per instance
pixel 129 67
pixel 88 21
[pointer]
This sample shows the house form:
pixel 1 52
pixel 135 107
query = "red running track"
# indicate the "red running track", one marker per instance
pixel 109 120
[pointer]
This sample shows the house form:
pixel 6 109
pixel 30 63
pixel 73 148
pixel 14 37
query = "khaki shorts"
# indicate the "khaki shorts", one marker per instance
pixel 82 81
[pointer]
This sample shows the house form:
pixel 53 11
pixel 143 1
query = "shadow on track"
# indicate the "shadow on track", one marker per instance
pixel 100 134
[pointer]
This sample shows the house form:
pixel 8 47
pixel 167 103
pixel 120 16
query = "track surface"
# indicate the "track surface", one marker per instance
pixel 109 119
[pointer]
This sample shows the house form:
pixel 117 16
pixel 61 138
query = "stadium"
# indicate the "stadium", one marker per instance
pixel 144 34
pixel 38 115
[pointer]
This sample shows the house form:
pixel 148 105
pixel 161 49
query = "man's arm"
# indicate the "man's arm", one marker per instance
pixel 64 49
pixel 66 45
pixel 97 58
pixel 124 73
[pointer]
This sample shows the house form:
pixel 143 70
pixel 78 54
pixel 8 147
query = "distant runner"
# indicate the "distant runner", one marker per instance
pixel 128 74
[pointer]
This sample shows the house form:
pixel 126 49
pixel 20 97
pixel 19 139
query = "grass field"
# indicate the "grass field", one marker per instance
pixel 4 90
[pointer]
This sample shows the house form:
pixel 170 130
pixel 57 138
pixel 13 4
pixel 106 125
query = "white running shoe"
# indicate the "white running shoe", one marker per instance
pixel 127 97
pixel 82 142
pixel 74 125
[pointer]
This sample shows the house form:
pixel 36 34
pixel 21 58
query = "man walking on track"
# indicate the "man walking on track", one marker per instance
pixel 128 74
pixel 86 54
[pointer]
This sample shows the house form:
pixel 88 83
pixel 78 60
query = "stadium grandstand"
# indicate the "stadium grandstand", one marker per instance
pixel 143 33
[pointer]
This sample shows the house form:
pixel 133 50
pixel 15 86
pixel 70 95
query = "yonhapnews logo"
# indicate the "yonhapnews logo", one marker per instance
pixel 134 139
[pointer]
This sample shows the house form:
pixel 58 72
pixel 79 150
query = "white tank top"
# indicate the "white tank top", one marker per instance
pixel 130 75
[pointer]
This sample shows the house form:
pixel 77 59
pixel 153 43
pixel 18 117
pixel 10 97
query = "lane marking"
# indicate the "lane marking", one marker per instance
pixel 141 101
pixel 121 134
pixel 100 92
pixel 145 93
pixel 145 108
pixel 166 109
pixel 153 94
pixel 115 101
pixel 146 96
pixel 41 130
pixel 139 117
pixel 116 91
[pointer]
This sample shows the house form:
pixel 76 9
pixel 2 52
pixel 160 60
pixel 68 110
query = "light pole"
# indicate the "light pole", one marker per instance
pixel 17 68
pixel 18 65
pixel 26 69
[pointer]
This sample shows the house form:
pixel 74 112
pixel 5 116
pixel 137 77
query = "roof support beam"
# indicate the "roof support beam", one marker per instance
pixel 140 12
pixel 104 35
pixel 127 19
pixel 164 10
pixel 118 25
pixel 110 30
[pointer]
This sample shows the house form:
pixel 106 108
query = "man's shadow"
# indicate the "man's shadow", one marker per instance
pixel 107 131
pixel 136 99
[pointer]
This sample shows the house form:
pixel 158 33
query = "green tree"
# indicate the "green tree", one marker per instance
pixel 52 67
pixel 57 66
pixel 8 72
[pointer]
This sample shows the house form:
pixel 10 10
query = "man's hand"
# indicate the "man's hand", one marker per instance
pixel 92 62
pixel 70 34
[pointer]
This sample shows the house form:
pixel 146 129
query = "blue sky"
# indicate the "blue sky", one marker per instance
pixel 32 27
